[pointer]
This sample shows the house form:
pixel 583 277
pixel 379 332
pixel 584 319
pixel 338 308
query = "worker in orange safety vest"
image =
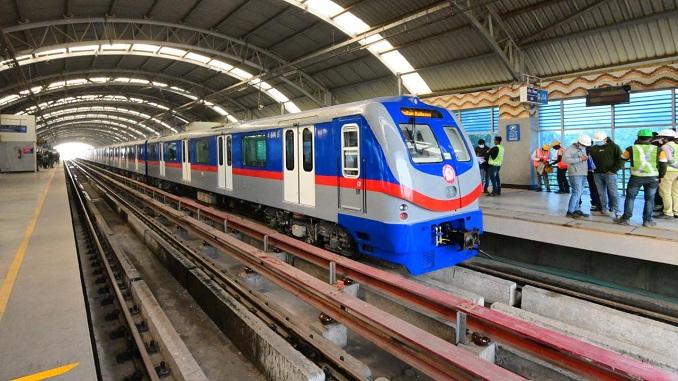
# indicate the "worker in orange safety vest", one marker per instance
pixel 541 160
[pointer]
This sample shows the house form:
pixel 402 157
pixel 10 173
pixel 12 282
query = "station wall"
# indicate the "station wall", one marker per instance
pixel 487 113
pixel 17 143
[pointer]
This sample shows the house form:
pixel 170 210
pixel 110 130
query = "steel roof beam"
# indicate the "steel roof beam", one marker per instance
pixel 496 34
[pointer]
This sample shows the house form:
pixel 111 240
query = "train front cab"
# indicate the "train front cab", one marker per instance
pixel 420 186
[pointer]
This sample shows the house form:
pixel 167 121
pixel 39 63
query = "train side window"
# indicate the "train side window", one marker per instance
pixel 458 145
pixel 289 150
pixel 254 150
pixel 229 151
pixel 220 149
pixel 307 145
pixel 350 147
pixel 202 151
pixel 172 151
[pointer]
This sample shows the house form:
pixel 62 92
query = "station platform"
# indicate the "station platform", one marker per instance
pixel 43 322
pixel 540 216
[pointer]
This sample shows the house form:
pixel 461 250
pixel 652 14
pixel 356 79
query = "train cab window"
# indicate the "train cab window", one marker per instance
pixel 229 151
pixel 254 150
pixel 202 151
pixel 220 149
pixel 350 147
pixel 421 143
pixel 458 145
pixel 307 145
pixel 172 151
pixel 289 150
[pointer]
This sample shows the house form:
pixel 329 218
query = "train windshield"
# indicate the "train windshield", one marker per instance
pixel 460 150
pixel 421 143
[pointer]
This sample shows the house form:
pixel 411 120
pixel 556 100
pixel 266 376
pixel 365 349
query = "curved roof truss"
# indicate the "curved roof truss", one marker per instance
pixel 91 80
pixel 118 124
pixel 104 111
pixel 36 42
pixel 94 100
pixel 104 127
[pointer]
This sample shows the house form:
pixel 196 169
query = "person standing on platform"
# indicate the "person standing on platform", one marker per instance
pixel 481 154
pixel 648 164
pixel 607 158
pixel 668 185
pixel 494 161
pixel 577 169
pixel 541 157
pixel 593 189
pixel 561 167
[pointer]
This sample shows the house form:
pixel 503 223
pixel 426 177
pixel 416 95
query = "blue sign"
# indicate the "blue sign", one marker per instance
pixel 13 128
pixel 536 96
pixel 513 132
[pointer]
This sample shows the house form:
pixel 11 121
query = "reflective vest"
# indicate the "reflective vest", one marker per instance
pixel 674 148
pixel 539 156
pixel 497 161
pixel 561 164
pixel 644 160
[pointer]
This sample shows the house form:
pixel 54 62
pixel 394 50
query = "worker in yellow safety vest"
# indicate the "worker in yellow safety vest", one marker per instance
pixel 648 164
pixel 495 160
pixel 668 185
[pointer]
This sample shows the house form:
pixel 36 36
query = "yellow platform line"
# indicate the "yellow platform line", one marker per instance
pixel 13 272
pixel 48 373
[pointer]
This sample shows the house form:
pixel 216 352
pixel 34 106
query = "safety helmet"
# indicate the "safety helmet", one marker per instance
pixel 584 140
pixel 546 147
pixel 599 136
pixel 555 143
pixel 645 133
pixel 669 133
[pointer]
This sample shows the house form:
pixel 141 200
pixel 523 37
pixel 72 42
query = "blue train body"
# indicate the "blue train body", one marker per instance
pixel 391 178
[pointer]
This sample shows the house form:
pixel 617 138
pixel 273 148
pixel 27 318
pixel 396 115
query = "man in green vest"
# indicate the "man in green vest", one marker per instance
pixel 494 161
pixel 668 185
pixel 648 164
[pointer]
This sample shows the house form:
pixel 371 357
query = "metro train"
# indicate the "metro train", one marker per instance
pixel 391 178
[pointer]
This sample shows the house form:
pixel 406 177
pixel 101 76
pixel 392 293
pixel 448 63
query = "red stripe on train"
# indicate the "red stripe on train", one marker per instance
pixel 273 175
pixel 402 192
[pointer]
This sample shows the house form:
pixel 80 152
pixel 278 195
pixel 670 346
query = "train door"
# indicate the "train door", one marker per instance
pixel 136 158
pixel 351 184
pixel 161 157
pixel 185 161
pixel 299 165
pixel 225 162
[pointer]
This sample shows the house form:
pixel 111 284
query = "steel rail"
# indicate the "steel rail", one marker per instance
pixel 575 355
pixel 430 354
pixel 122 303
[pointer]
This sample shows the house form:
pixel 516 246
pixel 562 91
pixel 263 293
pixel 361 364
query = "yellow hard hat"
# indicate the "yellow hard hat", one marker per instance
pixel 555 143
pixel 546 147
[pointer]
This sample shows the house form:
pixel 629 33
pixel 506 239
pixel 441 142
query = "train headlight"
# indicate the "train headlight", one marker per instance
pixel 403 207
pixel 403 216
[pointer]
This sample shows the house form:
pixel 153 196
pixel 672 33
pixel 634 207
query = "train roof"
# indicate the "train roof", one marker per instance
pixel 313 116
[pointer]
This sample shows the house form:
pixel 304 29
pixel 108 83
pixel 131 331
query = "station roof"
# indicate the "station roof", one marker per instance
pixel 151 66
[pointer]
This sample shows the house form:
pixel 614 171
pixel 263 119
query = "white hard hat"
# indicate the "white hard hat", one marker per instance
pixel 668 133
pixel 584 140
pixel 599 136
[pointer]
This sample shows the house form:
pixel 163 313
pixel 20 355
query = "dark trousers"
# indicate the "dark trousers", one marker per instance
pixel 650 185
pixel 593 190
pixel 563 184
pixel 493 172
pixel 484 176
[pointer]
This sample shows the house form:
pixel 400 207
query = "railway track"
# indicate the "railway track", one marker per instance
pixel 120 295
pixel 428 353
